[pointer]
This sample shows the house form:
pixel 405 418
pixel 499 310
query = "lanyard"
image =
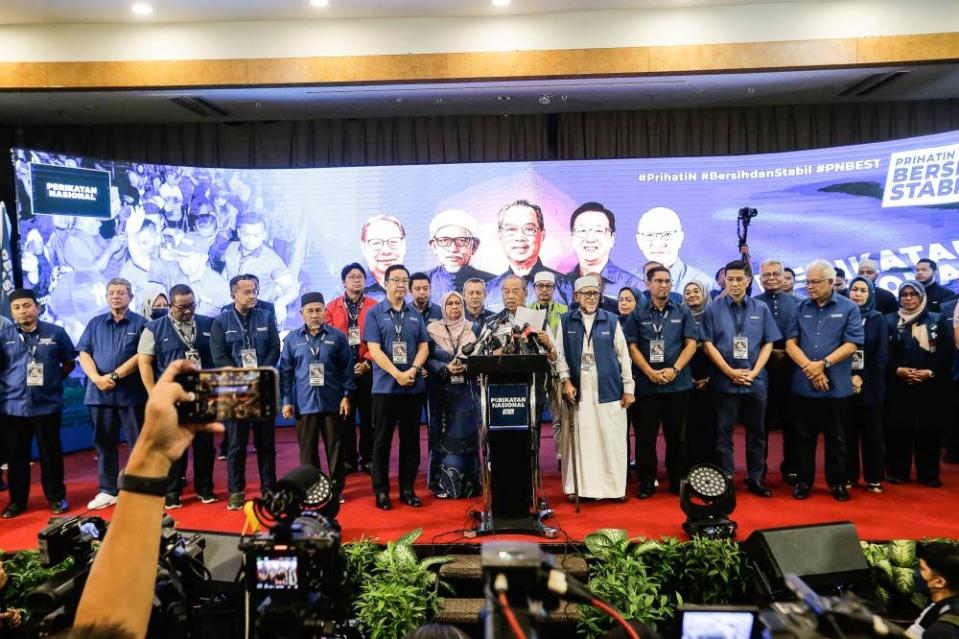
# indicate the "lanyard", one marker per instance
pixel 658 329
pixel 456 346
pixel 31 341
pixel 243 328
pixel 738 319
pixel 398 326
pixel 311 341
pixel 187 341
pixel 589 335
pixel 350 305
pixel 546 317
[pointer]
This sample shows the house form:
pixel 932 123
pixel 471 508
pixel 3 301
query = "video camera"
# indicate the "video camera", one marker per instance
pixel 294 569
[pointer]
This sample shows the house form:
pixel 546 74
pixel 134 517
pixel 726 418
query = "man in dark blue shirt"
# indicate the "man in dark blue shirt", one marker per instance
pixel 779 415
pixel 36 357
pixel 476 313
pixel 316 380
pixel 246 337
pixel 420 298
pixel 738 336
pixel 115 394
pixel 181 334
pixel 821 340
pixel 662 339
pixel 398 343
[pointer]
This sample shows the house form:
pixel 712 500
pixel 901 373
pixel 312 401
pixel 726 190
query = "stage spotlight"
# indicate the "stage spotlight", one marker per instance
pixel 708 498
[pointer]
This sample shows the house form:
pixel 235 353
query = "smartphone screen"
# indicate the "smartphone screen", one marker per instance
pixel 717 624
pixel 229 394
pixel 277 573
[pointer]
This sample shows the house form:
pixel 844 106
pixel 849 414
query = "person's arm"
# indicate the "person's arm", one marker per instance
pixel 128 367
pixel 127 560
pixel 286 366
pixel 422 352
pixel 103 382
pixel 381 360
pixel 689 349
pixel 219 350
pixel 761 361
pixel 145 364
pixel 625 367
pixel 273 354
pixel 68 353
pixel 719 361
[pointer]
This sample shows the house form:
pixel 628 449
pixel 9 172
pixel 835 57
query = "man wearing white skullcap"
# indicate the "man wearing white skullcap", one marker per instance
pixel 454 238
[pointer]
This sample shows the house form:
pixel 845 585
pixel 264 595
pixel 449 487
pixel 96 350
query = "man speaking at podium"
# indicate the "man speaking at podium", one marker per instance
pixel 596 373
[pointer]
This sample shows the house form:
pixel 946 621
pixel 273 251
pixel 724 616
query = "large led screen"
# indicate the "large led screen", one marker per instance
pixel 296 228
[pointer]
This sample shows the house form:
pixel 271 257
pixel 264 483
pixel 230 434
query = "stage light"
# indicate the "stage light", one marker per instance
pixel 708 498
pixel 501 3
pixel 319 4
pixel 141 9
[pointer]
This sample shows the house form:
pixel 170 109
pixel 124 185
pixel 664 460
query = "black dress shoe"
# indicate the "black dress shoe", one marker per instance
pixel 931 483
pixel 895 480
pixel 801 491
pixel 12 510
pixel 840 492
pixel 757 488
pixel 790 478
pixel 409 498
pixel 59 507
pixel 383 501
pixel 646 490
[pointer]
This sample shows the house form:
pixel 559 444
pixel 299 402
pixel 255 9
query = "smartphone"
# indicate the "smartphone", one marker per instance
pixel 718 622
pixel 230 394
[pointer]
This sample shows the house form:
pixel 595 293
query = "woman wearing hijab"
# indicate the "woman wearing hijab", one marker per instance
pixel 155 306
pixel 920 353
pixel 454 414
pixel 627 300
pixel 701 419
pixel 864 428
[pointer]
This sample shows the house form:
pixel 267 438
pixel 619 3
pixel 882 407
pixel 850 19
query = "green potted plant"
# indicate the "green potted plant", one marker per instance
pixel 894 565
pixel 24 572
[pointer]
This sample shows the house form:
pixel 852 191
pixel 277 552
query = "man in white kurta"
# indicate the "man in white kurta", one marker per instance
pixel 595 370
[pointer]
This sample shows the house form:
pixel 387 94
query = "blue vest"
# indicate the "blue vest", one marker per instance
pixel 169 347
pixel 604 350
pixel 258 337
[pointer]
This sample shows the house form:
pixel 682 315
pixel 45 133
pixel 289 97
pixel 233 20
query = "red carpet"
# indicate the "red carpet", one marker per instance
pixel 908 511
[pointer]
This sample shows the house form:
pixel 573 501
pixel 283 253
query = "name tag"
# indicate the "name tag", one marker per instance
pixel 457 379
pixel 317 373
pixel 754 317
pixel 859 360
pixel 194 356
pixel 46 341
pixel 837 315
pixel 34 373
pixel 206 334
pixel 399 352
pixel 589 362
pixel 740 347
pixel 354 336
pixel 248 358
pixel 675 321
pixel 261 328
pixel 657 351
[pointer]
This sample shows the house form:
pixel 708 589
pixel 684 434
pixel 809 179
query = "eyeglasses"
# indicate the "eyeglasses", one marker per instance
pixel 544 285
pixel 819 282
pixel 529 230
pixel 355 276
pixel 398 281
pixel 393 243
pixel 589 294
pixel 582 234
pixel 460 242
pixel 769 276
pixel 184 307
pixel 662 282
pixel 665 236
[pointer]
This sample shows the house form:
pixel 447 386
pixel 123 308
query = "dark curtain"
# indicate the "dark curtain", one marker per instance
pixel 443 139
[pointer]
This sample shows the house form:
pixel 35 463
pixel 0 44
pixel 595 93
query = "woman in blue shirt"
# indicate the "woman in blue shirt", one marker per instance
pixel 454 413
pixel 864 428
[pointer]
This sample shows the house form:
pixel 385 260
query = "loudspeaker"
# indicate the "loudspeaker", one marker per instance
pixel 823 555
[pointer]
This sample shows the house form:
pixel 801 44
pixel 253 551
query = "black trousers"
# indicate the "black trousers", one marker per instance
pixel 204 454
pixel 390 411
pixel 18 434
pixel 356 451
pixel 864 439
pixel 748 409
pixel 670 409
pixel 781 414
pixel 828 415
pixel 701 428
pixel 309 429
pixel 264 440
pixel 914 437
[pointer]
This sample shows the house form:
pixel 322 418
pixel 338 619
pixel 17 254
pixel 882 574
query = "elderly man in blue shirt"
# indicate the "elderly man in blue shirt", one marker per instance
pixel 826 332
pixel 316 381
pixel 115 394
pixel 245 336
pixel 399 345
pixel 35 357
pixel 738 336
pixel 662 339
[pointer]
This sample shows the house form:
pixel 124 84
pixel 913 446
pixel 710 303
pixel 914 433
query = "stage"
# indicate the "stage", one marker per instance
pixel 908 511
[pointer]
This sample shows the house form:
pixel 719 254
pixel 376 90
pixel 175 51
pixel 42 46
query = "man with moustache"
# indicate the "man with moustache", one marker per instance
pixel 454 240
pixel 593 232
pixel 383 244
pixel 316 380
pixel 35 357
pixel 476 313
pixel 521 233
pixel 181 334
pixel 420 293
pixel 927 272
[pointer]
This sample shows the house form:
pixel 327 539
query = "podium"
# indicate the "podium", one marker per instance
pixel 511 397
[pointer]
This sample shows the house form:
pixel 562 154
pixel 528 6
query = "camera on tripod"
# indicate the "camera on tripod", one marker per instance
pixel 294 569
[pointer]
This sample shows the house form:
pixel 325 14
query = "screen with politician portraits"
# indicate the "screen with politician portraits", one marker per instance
pixel 896 202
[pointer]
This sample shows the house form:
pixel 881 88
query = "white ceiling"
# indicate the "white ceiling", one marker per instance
pixel 921 82
pixel 111 11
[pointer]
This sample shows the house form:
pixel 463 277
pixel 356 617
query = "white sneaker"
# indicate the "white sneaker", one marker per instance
pixel 102 500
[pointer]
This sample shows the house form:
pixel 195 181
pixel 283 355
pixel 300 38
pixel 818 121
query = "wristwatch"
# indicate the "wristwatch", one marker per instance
pixel 418 369
pixel 114 376
pixel 156 486
pixel 826 363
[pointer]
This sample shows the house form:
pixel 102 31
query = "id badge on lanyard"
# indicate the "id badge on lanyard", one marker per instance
pixel 589 362
pixel 317 373
pixel 248 358
pixel 354 336
pixel 657 351
pixel 194 356
pixel 399 353
pixel 859 360
pixel 34 373
pixel 740 347
pixel 457 379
